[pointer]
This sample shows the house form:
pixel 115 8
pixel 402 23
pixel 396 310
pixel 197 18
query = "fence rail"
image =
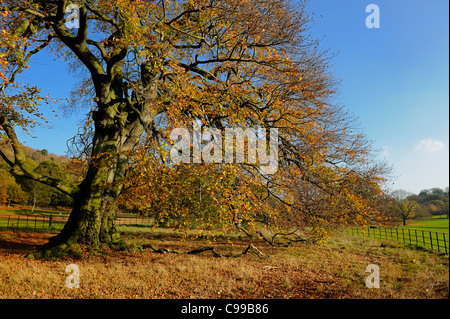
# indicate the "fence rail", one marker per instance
pixel 58 221
pixel 420 238
pixel 32 222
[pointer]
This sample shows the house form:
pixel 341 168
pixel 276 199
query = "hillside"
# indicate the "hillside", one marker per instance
pixel 21 191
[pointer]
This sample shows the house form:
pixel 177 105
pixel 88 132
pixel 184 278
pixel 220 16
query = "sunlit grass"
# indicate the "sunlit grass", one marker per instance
pixel 436 225
pixel 335 269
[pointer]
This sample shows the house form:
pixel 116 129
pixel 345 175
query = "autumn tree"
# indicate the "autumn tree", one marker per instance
pixel 433 201
pixel 10 190
pixel 151 66
pixel 403 207
pixel 44 195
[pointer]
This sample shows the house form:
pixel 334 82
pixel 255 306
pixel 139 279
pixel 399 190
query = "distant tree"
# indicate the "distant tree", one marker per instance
pixel 424 193
pixel 446 201
pixel 16 194
pixel 420 211
pixel 402 206
pixel 10 190
pixel 435 201
pixel 4 183
pixel 44 195
pixel 39 161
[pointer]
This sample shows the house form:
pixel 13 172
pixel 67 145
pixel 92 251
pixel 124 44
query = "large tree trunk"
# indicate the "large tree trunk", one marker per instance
pixel 85 219
pixel 118 129
pixel 92 218
pixel 119 122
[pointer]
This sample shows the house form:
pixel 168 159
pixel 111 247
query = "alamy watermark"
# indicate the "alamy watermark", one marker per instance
pixel 73 279
pixel 373 280
pixel 208 146
pixel 373 19
pixel 72 21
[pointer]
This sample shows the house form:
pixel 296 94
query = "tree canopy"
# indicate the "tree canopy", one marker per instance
pixel 151 66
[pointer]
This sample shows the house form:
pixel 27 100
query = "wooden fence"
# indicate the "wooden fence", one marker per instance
pixel 57 221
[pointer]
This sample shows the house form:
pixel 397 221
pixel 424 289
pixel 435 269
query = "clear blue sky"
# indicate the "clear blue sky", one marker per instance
pixel 395 79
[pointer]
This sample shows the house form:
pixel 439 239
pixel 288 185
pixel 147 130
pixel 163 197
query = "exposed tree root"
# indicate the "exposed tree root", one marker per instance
pixel 58 251
pixel 250 249
pixel 58 248
pixel 287 239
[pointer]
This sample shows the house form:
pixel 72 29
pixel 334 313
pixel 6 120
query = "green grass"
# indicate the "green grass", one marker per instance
pixel 26 219
pixel 434 225
pixel 28 212
pixel 424 234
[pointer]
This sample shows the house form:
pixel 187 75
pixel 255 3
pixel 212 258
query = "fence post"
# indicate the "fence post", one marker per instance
pixel 431 241
pixel 409 235
pixel 415 232
pixel 423 239
pixel 437 238
pixel 445 244
pixel 396 230
pixel 8 221
pixel 50 221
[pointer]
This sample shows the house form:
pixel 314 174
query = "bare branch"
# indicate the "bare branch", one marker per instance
pixel 250 249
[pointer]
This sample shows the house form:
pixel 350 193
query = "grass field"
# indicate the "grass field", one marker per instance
pixel 333 270
pixel 424 234
pixel 26 210
pixel 37 219
pixel 435 225
pixel 26 218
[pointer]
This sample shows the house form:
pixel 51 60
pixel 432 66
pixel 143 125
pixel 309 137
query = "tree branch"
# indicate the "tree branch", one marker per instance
pixel 250 249
pixel 19 167
pixel 199 71
pixel 25 60
pixel 27 10
pixel 102 50
pixel 6 159
pixel 78 44
pixel 102 16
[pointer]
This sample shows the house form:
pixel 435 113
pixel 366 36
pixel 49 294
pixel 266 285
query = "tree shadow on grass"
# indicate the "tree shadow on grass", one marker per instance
pixel 15 247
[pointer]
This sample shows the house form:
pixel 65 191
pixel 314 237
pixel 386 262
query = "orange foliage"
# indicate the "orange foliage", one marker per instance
pixel 159 65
